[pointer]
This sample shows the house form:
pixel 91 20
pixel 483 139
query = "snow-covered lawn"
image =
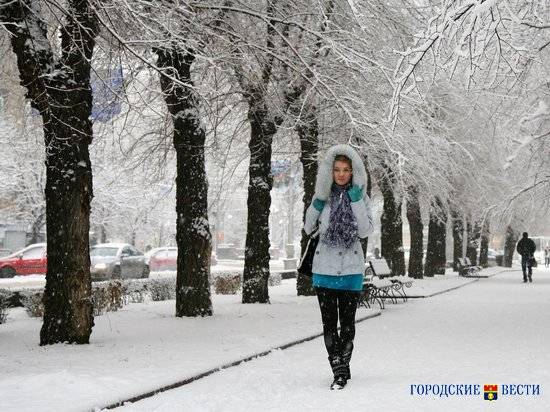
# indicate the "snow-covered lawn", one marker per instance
pixel 142 347
pixel 494 330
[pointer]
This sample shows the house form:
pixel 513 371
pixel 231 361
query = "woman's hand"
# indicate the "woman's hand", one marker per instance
pixel 319 204
pixel 355 193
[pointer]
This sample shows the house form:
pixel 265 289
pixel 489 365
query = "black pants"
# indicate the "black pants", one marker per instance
pixel 334 305
pixel 526 267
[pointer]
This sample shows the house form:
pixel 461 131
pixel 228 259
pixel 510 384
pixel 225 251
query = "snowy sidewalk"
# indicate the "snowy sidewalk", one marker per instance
pixel 499 335
pixel 442 284
pixel 144 347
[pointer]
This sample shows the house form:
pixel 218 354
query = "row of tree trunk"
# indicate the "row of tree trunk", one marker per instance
pixel 58 86
pixel 64 101
pixel 435 263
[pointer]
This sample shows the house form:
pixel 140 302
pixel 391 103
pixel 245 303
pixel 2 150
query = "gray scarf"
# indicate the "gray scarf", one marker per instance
pixel 342 228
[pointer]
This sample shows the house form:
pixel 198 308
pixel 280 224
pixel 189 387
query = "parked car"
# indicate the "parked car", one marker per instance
pixel 117 261
pixel 166 258
pixel 162 258
pixel 28 261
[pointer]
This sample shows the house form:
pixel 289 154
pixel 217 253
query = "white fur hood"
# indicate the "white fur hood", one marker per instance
pixel 324 180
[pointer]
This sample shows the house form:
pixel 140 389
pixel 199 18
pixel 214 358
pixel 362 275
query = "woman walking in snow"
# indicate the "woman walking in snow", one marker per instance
pixel 342 210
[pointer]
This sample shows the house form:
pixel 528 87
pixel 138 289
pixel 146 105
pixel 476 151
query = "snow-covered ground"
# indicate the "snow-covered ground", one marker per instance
pixel 491 331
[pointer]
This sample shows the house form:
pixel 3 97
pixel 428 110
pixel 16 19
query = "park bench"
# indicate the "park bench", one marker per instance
pixel 466 269
pixel 376 290
pixel 381 269
pixel 475 267
pixel 381 284
pixel 463 268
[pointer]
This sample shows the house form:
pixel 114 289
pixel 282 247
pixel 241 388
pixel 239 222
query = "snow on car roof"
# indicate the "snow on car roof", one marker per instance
pixel 117 245
pixel 158 249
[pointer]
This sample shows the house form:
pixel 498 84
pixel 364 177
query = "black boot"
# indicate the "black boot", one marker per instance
pixel 339 370
pixel 346 357
pixel 338 383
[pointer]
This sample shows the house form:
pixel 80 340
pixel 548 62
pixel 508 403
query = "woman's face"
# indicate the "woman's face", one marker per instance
pixel 341 172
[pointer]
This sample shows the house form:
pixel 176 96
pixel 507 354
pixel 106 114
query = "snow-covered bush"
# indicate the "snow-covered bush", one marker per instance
pixel 107 297
pixel 33 303
pixel 134 296
pixel 163 289
pixel 227 283
pixel 135 290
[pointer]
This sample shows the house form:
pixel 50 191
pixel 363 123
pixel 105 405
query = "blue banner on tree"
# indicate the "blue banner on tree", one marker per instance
pixel 106 94
pixel 280 170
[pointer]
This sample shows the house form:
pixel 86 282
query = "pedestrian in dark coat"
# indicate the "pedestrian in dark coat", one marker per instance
pixel 342 209
pixel 526 248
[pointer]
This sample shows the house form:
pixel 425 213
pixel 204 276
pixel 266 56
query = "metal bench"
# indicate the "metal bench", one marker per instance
pixel 469 263
pixel 376 291
pixel 380 284
pixel 381 269
pixel 466 269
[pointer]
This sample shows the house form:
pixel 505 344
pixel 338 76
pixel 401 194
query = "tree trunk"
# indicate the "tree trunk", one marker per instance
pixel 484 247
pixel 458 234
pixel 442 245
pixel 59 88
pixel 509 246
pixel 416 228
pixel 256 261
pixel 192 228
pixel 68 313
pixel 391 229
pixel 435 255
pixel 365 241
pixel 308 132
pixel 36 228
pixel 473 240
pixel 103 233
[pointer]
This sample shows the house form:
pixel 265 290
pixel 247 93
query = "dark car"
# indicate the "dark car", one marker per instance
pixel 28 261
pixel 117 261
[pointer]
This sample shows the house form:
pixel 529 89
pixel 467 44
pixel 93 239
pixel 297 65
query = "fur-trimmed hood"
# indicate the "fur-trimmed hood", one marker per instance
pixel 324 180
